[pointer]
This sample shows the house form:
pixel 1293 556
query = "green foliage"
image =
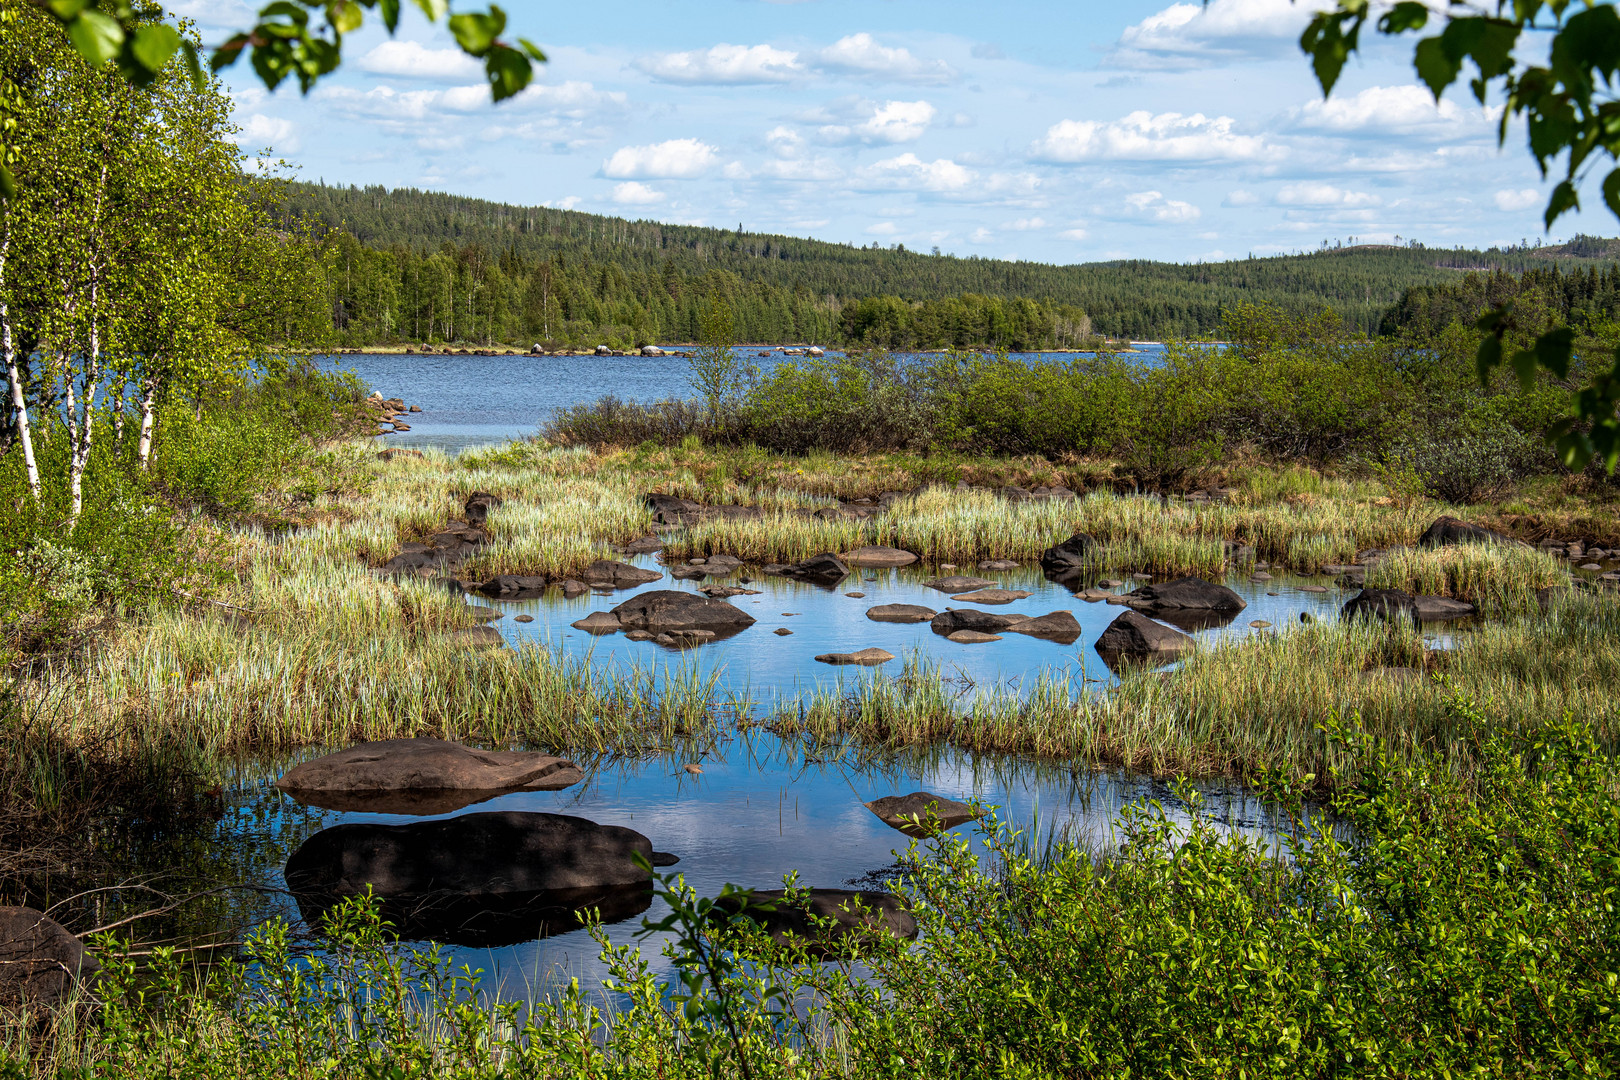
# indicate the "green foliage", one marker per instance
pixel 717 373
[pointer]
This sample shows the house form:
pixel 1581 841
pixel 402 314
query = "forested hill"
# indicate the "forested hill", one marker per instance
pixel 1134 298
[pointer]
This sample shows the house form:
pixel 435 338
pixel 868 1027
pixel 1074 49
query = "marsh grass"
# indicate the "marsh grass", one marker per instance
pixel 1496 578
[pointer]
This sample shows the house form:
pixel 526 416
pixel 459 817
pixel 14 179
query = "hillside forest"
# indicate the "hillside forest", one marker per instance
pixel 415 266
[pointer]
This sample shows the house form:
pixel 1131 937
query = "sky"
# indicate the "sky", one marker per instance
pixel 1060 132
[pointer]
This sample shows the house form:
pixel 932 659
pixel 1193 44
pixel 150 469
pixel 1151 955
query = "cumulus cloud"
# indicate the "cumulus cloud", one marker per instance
pixel 411 60
pixel 872 122
pixel 861 54
pixel 1074 234
pixel 1316 193
pixel 784 142
pixel 981 235
pixel 800 169
pixel 1142 136
pixel 1191 35
pixel 910 173
pixel 635 193
pixel 259 131
pixel 724 65
pixel 1240 198
pixel 1025 224
pixel 1408 110
pixel 675 159
pixel 1514 201
pixel 567 202
pixel 394 108
pixel 1153 205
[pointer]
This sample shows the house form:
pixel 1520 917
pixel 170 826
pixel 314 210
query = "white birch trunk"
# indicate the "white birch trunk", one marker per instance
pixel 19 404
pixel 84 432
pixel 148 422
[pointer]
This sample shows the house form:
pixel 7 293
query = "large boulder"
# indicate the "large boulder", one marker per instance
pixel 1059 626
pixel 665 611
pixel 952 620
pixel 820 919
pixel 617 575
pixel 476 637
pixel 866 657
pixel 599 622
pixel 1068 558
pixel 39 960
pixel 879 556
pixel 1134 637
pixel 514 586
pixel 1187 594
pixel 671 509
pixel 1449 530
pixel 825 570
pixel 421 776
pixel 1441 608
pixel 477 879
pixel 900 613
pixel 914 814
pixel 958 583
pixel 1386 605
pixel 992 596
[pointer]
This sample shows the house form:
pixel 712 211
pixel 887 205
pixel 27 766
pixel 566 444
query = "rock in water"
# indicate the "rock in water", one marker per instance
pixel 971 637
pixel 825 569
pixel 514 586
pixel 617 575
pixel 900 613
pixel 911 814
pixel 1068 558
pixel 879 556
pixel 1189 602
pixel 954 620
pixel 598 622
pixel 992 596
pixel 421 776
pixel 1449 530
pixel 1440 608
pixel 1388 605
pixel 957 583
pixel 668 610
pixel 479 879
pixel 1136 638
pixel 805 920
pixel 39 960
pixel 1059 626
pixel 864 656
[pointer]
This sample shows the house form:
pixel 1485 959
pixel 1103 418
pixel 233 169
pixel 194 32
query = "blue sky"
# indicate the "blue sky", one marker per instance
pixel 1060 132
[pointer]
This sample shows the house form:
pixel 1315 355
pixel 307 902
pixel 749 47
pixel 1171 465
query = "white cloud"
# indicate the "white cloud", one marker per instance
pixel 860 54
pixel 1074 234
pixel 676 159
pixel 1141 136
pixel 1188 35
pixel 1513 201
pixel 981 235
pixel 259 131
pixel 883 228
pixel 1240 198
pixel 910 173
pixel 410 60
pixel 406 109
pixel 724 65
pixel 1395 110
pixel 1153 204
pixel 891 122
pixel 567 202
pixel 1316 193
pixel 1026 224
pixel 799 169
pixel 784 142
pixel 634 193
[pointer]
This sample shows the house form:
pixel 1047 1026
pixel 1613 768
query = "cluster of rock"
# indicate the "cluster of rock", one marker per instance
pixel 669 617
pixel 387 413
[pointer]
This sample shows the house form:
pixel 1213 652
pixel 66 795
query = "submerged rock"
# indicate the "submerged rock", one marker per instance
pixel 667 610
pixel 40 962
pixel 821 918
pixel 879 556
pixel 992 596
pixel 617 575
pixel 912 814
pixel 998 564
pixel 865 656
pixel 900 613
pixel 421 776
pixel 971 637
pixel 479 879
pixel 1133 637
pixel 958 583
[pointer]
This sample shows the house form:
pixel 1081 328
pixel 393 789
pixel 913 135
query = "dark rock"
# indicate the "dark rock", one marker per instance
pixel 911 814
pixel 1187 594
pixel 866 657
pixel 822 918
pixel 514 586
pixel 1449 530
pixel 523 618
pixel 782 631
pixel 394 452
pixel 998 564
pixel 572 588
pixel 645 546
pixel 1389 605
pixel 671 509
pixel 485 614
pixel 953 620
pixel 1440 608
pixel 900 613
pixel 665 610
pixel 476 637
pixel 721 592
pixel 40 962
pixel 971 637
pixel 479 504
pixel 688 573
pixel 1134 637
pixel 992 596
pixel 477 879
pixel 826 570
pixel 1059 626
pixel 957 583
pixel 617 575
pixel 1067 559
pixel 599 622
pixel 421 776
pixel 879 556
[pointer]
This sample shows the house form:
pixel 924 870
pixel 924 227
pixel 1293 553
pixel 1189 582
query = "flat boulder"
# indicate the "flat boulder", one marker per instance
pixel 825 569
pixel 671 509
pixel 1186 594
pixel 820 919
pixel 605 573
pixel 954 620
pixel 1441 608
pixel 476 637
pixel 667 610
pixel 1068 558
pixel 1059 626
pixel 993 596
pixel 1133 637
pixel 480 879
pixel 40 962
pixel 644 546
pixel 879 556
pixel 958 583
pixel 599 622
pixel 1449 530
pixel 998 564
pixel 917 814
pixel 1386 605
pixel 421 776
pixel 867 657
pixel 900 613
pixel 971 637
pixel 515 586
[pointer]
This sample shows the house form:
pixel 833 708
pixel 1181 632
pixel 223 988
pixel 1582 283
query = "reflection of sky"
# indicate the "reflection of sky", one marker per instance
pixel 477 400
pixel 764 665
pixel 761 810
